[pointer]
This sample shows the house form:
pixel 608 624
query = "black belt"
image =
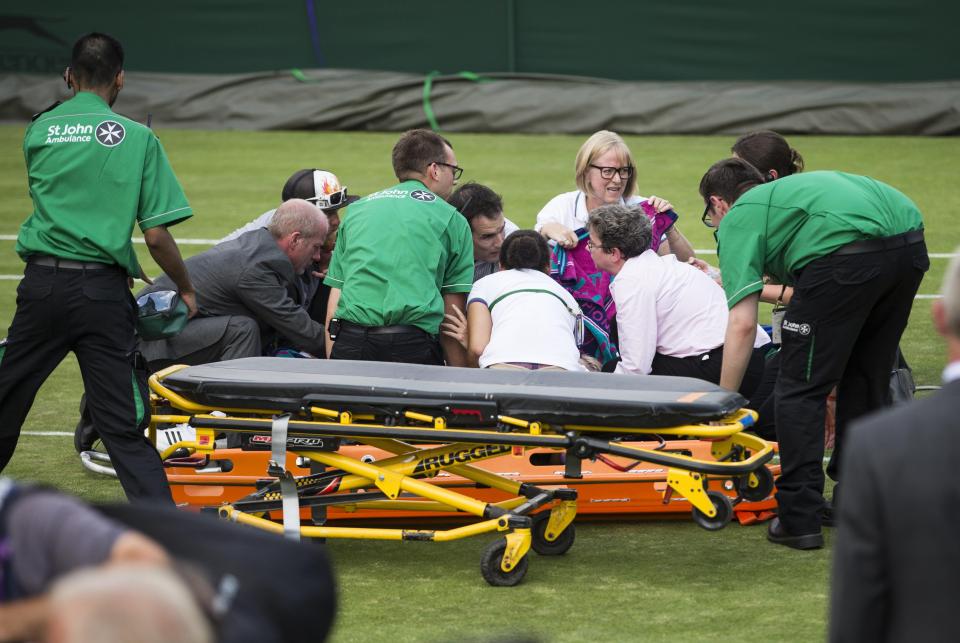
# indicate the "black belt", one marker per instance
pixel 398 329
pixel 713 352
pixel 883 243
pixel 701 357
pixel 69 264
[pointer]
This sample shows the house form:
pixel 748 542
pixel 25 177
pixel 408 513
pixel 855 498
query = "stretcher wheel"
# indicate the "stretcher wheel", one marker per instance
pixel 724 512
pixel 490 566
pixel 762 490
pixel 546 547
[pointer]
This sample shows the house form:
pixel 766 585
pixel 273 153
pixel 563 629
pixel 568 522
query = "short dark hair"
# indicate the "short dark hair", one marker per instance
pixel 96 60
pixel 473 200
pixel 728 179
pixel 525 249
pixel 417 149
pixel 766 150
pixel 623 227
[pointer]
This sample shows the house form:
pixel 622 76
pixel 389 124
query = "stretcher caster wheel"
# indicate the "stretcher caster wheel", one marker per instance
pixel 724 512
pixel 545 547
pixel 491 570
pixel 761 491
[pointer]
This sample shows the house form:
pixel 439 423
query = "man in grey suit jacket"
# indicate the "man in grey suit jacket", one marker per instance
pixel 251 292
pixel 896 574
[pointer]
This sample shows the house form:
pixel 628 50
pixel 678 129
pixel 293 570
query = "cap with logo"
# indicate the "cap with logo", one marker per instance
pixel 318 186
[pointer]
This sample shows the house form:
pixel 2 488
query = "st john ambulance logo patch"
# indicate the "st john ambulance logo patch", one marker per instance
pixel 423 195
pixel 110 133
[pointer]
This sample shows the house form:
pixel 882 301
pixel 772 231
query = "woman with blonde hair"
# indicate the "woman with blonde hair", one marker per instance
pixel 605 174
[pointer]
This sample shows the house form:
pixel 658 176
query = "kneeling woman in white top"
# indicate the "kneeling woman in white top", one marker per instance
pixel 519 317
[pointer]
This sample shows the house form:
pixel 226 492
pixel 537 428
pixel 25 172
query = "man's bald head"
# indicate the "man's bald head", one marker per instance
pixel 300 229
pixel 298 215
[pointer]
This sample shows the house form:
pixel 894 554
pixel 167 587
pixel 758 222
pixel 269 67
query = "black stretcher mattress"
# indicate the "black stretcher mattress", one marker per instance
pixel 599 399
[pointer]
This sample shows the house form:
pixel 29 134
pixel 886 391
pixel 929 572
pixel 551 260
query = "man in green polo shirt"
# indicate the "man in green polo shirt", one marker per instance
pixel 853 250
pixel 404 258
pixel 92 175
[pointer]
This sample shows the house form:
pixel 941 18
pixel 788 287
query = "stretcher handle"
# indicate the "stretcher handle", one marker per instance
pixel 182 403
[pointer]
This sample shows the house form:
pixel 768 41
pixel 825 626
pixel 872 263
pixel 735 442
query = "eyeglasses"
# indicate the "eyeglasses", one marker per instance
pixel 706 216
pixel 329 200
pixel 592 246
pixel 625 172
pixel 457 171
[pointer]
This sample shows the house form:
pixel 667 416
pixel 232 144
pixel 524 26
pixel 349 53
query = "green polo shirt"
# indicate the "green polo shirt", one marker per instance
pixel 92 174
pixel 779 227
pixel 398 251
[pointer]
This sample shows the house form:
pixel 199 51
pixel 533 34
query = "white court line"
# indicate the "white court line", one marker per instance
pixel 19 277
pixel 210 242
pixel 47 434
pixel 932 255
pixel 186 242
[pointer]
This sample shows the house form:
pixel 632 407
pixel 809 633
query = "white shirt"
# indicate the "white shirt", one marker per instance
pixel 260 222
pixel 528 326
pixel 951 372
pixel 570 209
pixel 668 307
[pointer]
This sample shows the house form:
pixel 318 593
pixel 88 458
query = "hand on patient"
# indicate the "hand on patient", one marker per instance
pixel 455 326
pixel 560 233
pixel 704 267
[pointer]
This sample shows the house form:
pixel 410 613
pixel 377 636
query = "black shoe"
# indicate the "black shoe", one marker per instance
pixel 85 434
pixel 827 516
pixel 777 534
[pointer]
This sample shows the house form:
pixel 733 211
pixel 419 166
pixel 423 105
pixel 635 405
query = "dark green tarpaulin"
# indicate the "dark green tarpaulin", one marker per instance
pixel 385 101
pixel 837 40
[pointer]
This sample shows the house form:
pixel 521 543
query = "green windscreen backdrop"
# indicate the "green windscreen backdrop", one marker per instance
pixel 837 40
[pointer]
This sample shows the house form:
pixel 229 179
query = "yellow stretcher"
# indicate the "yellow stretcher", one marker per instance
pixel 437 419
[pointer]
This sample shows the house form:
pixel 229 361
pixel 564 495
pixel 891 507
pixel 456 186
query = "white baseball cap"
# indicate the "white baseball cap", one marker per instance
pixel 319 187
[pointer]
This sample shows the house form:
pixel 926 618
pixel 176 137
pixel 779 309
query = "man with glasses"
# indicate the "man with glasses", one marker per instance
pixel 853 250
pixel 404 258
pixel 671 317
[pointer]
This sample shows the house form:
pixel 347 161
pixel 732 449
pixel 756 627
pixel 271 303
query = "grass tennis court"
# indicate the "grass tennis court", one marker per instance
pixel 630 581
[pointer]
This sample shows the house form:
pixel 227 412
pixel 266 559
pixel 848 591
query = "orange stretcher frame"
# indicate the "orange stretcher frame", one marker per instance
pixel 404 455
pixel 610 488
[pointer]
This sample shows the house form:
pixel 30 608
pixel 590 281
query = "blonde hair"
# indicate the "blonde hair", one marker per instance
pixel 597 145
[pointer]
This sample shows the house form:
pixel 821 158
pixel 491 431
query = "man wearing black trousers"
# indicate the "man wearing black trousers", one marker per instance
pixel 853 250
pixel 92 174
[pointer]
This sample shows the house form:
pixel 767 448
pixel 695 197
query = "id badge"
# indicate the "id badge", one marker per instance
pixel 776 324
